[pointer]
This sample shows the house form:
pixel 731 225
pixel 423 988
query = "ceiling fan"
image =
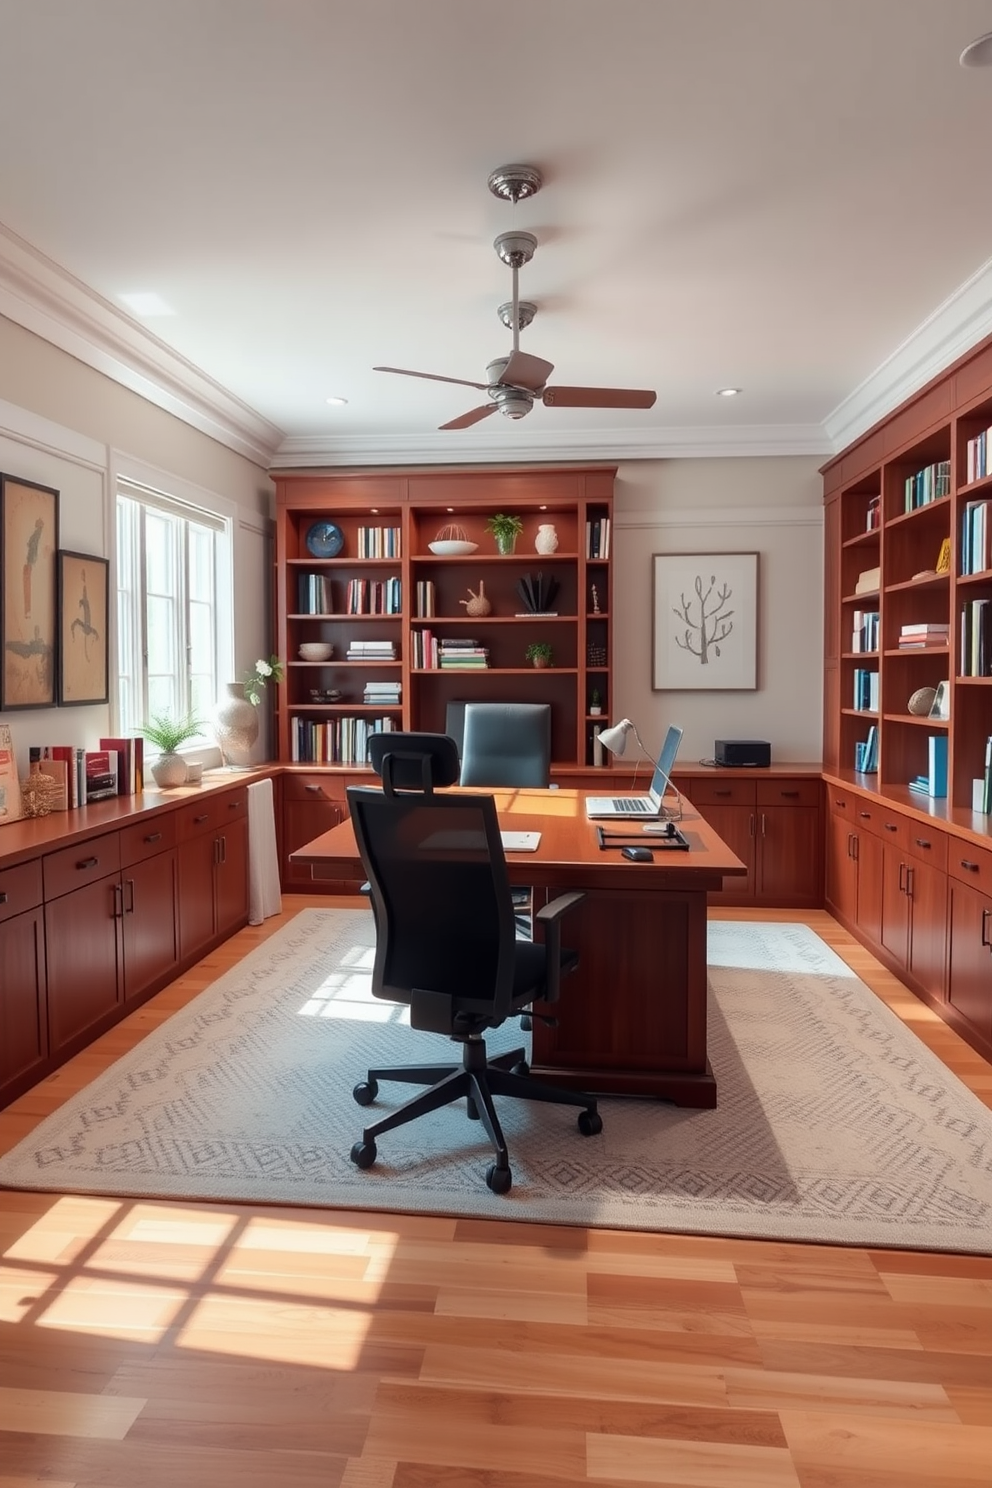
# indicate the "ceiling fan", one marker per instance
pixel 515 381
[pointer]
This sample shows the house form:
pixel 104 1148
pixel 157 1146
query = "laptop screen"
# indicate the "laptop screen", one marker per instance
pixel 666 759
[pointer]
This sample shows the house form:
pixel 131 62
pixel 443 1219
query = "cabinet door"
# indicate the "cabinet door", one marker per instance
pixel 83 953
pixel 23 1018
pixel 196 894
pixel 736 825
pixel 151 927
pixel 927 957
pixel 868 849
pixel 895 902
pixel 311 804
pixel 789 857
pixel 231 877
pixel 842 869
pixel 969 981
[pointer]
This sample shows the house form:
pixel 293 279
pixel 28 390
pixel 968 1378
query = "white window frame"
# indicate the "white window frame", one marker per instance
pixel 177 497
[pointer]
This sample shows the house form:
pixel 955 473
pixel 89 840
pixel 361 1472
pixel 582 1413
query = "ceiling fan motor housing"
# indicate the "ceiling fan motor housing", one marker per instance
pixel 513 403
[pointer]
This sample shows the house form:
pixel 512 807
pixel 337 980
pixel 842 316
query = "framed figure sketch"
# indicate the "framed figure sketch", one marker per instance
pixel 29 539
pixel 705 621
pixel 83 601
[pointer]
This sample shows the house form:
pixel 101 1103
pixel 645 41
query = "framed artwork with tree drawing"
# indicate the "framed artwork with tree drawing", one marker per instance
pixel 705 631
pixel 29 539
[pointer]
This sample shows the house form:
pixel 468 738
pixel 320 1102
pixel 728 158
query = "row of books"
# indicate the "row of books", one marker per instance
pixel 431 653
pixel 865 690
pixel 425 597
pixel 986 801
pixel 598 538
pixel 976 638
pixel 374 597
pixel 337 741
pixel 976 537
pixel 873 518
pixel 316 596
pixel 927 485
pixel 866 753
pixel 924 635
pixel 864 636
pixel 977 457
pixel 85 775
pixel 934 782
pixel 371 651
pixel 379 542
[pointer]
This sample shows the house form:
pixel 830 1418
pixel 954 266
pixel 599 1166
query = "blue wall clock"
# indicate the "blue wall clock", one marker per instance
pixel 324 540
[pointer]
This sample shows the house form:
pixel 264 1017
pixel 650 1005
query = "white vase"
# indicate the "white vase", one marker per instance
pixel 168 771
pixel 546 540
pixel 235 724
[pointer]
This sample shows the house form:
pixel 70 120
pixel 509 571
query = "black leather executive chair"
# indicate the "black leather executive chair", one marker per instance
pixel 445 944
pixel 507 744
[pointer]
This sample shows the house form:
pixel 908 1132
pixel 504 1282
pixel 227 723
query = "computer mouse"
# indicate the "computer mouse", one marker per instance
pixel 637 854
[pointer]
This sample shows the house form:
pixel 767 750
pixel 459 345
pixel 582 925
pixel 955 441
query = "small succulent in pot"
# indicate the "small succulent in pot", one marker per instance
pixel 539 653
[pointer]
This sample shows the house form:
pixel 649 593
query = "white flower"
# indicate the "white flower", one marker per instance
pixel 263 668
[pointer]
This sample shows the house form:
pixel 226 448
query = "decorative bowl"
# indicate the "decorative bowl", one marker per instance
pixel 452 547
pixel 316 651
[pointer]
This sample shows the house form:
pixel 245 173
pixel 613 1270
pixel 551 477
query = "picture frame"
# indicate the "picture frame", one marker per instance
pixel 11 805
pixel 29 540
pixel 941 705
pixel 705 621
pixel 83 585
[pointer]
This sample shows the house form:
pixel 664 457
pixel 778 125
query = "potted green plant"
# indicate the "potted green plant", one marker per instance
pixel 167 732
pixel 505 530
pixel 595 701
pixel 539 654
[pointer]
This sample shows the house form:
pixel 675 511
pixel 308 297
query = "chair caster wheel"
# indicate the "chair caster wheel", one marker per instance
pixel 471 1109
pixel 365 1092
pixel 526 1022
pixel 590 1123
pixel 364 1154
pixel 499 1179
pixel 521 1068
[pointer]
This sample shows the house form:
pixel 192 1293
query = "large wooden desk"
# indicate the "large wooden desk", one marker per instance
pixel 632 1019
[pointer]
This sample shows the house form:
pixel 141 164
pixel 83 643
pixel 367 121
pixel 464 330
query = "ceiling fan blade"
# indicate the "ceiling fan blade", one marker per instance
pixel 466 420
pixel 433 377
pixel 526 371
pixel 589 397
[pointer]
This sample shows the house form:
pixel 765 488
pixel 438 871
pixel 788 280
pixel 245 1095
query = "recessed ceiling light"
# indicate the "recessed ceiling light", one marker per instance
pixel 337 402
pixel 146 302
pixel 978 53
pixel 727 392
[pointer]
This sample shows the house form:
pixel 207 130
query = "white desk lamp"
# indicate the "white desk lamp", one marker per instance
pixel 615 739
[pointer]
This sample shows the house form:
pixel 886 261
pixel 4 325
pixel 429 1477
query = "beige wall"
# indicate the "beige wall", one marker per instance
pixel 769 506
pixel 64 425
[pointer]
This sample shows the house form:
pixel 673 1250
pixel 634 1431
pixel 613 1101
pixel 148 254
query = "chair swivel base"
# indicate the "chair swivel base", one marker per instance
pixel 478 1079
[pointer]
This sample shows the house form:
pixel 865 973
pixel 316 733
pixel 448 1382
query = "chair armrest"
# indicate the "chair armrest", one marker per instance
pixel 551 916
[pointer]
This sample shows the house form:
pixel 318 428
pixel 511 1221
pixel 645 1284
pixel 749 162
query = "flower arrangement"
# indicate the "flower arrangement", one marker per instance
pixel 259 674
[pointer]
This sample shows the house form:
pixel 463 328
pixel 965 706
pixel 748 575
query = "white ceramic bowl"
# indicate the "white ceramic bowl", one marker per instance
pixel 316 651
pixel 450 547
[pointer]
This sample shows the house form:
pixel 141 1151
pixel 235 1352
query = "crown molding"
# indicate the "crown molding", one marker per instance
pixel 959 323
pixel 705 441
pixel 43 298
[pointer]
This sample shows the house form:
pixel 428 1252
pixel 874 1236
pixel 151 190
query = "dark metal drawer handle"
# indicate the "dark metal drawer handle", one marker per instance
pixel 840 803
pixel 3 898
pixel 716 792
pixel 890 826
pixel 198 819
pixel 88 863
pixel 789 793
pixel 922 842
pixel 971 867
pixel 865 814
pixel 319 789
pixel 234 805
pixel 985 921
pixel 154 837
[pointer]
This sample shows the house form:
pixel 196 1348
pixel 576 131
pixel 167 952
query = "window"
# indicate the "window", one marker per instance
pixel 174 628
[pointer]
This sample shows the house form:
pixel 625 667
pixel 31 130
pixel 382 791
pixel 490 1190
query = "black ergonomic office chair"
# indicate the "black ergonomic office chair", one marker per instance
pixel 445 945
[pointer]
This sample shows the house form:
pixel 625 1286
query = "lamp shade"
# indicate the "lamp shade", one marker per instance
pixel 615 737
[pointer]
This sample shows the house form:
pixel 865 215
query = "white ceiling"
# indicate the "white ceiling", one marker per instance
pixel 770 194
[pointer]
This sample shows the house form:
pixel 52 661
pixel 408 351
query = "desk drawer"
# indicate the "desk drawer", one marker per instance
pixel 317 787
pixel 972 865
pixel 20 888
pixel 74 867
pixel 719 792
pixel 788 792
pixel 145 839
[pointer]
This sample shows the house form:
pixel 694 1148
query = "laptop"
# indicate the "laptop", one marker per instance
pixel 643 805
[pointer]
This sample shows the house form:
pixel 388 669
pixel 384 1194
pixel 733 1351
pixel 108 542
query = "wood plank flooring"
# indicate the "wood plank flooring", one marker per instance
pixel 145 1344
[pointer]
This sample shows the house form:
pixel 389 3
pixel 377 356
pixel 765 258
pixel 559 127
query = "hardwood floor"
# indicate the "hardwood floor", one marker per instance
pixel 145 1344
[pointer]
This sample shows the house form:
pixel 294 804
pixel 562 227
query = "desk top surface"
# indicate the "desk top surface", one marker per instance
pixel 569 847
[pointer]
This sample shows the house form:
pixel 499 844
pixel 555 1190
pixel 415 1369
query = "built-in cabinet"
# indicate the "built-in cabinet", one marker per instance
pixel 213 869
pixel 23 985
pixel 774 824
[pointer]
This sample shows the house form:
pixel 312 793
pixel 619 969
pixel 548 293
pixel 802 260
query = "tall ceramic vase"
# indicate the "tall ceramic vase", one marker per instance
pixel 235 723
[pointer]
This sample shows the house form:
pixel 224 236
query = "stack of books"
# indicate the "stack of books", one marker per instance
pixel 371 651
pixel 926 634
pixel 382 694
pixel 461 655
pixel 934 782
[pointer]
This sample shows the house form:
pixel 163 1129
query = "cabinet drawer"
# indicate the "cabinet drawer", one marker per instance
pixel 83 864
pixel 890 826
pixel 721 792
pixel 315 787
pixel 843 803
pixel 211 813
pixel 20 888
pixel 788 792
pixel 972 865
pixel 928 845
pixel 145 839
pixel 869 815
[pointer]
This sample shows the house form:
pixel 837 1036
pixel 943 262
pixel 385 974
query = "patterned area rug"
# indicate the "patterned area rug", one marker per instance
pixel 834 1122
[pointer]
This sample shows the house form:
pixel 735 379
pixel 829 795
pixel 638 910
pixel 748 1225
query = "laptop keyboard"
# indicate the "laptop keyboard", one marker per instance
pixel 633 805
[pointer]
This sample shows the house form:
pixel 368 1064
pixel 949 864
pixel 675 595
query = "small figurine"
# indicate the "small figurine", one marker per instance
pixel 595 601
pixel 478 604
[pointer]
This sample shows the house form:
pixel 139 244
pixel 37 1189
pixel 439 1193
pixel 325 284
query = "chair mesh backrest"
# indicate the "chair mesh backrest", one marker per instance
pixel 507 744
pixel 441 897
